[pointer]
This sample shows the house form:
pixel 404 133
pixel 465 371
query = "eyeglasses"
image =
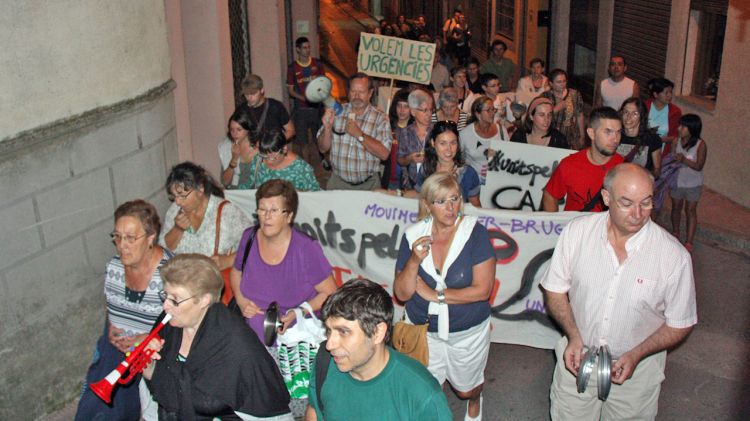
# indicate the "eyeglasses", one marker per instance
pixel 627 205
pixel 163 297
pixel 424 110
pixel 271 156
pixel 182 196
pixel 631 114
pixel 442 202
pixel 117 238
pixel 273 212
pixel 490 109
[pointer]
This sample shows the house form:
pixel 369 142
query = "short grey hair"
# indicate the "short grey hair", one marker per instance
pixel 447 95
pixel 418 97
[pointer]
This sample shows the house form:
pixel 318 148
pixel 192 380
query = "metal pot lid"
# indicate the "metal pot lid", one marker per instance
pixel 584 371
pixel 604 372
pixel 271 324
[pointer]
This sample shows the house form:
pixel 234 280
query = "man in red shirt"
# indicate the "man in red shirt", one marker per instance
pixel 305 115
pixel 579 177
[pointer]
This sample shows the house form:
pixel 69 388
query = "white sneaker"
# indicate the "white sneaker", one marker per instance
pixel 478 417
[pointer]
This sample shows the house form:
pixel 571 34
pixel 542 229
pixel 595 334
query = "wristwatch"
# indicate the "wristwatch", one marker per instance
pixel 441 297
pixel 361 138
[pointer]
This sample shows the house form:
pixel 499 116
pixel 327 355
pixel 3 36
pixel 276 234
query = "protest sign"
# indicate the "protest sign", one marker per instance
pixel 360 233
pixel 517 174
pixel 395 58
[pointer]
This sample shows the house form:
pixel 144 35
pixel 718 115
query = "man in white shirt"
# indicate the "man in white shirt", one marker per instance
pixel 618 279
pixel 615 89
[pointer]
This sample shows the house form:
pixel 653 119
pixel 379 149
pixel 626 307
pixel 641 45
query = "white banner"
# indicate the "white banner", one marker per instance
pixel 516 176
pixel 360 233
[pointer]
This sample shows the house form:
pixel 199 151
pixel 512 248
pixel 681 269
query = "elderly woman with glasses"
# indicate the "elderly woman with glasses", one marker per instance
pixel 482 131
pixel 276 262
pixel 282 263
pixel 132 282
pixel 275 160
pixel 412 140
pixel 444 273
pixel 192 221
pixel 449 110
pixel 442 154
pixel 208 364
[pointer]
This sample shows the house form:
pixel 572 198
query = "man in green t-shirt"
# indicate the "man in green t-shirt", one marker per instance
pixel 366 379
pixel 502 67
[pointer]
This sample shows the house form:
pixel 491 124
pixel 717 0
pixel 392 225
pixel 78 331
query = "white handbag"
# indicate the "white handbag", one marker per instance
pixel 298 347
pixel 305 329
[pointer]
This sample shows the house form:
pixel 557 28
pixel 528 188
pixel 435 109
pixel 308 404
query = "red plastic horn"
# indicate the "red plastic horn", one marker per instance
pixel 133 364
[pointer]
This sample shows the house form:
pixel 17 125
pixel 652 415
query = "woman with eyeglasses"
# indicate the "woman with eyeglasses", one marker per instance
pixel 132 282
pixel 283 264
pixel 449 109
pixel 639 144
pixel 275 160
pixel 537 129
pixel 412 140
pixel 237 147
pixel 190 224
pixel 567 109
pixel 442 154
pixel 481 132
pixel 208 365
pixel 445 272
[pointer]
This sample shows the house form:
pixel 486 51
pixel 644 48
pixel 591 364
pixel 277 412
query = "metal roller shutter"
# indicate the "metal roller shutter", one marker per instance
pixel 480 22
pixel 639 34
pixel 711 6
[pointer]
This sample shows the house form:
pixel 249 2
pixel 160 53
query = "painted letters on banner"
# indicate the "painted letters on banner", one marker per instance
pixel 395 58
pixel 360 233
pixel 517 174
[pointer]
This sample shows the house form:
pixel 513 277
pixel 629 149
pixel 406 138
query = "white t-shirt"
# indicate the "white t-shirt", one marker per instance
pixel 615 93
pixel 225 156
pixel 474 146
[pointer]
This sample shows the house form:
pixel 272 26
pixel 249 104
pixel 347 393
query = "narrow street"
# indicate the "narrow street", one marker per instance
pixel 707 377
pixel 340 25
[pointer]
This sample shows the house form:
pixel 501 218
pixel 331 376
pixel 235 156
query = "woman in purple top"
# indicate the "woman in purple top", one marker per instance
pixel 283 265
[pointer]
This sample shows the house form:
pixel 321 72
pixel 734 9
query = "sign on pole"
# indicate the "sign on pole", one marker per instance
pixel 395 58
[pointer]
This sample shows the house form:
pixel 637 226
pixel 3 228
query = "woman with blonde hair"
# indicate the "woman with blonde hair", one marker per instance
pixel 444 274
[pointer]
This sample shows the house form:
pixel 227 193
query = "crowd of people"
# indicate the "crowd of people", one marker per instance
pixel 616 277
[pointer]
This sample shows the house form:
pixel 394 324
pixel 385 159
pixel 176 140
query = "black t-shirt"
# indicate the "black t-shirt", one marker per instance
pixel 276 117
pixel 557 139
pixel 649 143
pixel 476 86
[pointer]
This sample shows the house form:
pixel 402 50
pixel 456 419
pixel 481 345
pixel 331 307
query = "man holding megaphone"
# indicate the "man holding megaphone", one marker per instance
pixel 359 138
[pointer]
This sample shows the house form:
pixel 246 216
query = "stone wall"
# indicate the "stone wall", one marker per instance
pixel 59 187
pixel 63 58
